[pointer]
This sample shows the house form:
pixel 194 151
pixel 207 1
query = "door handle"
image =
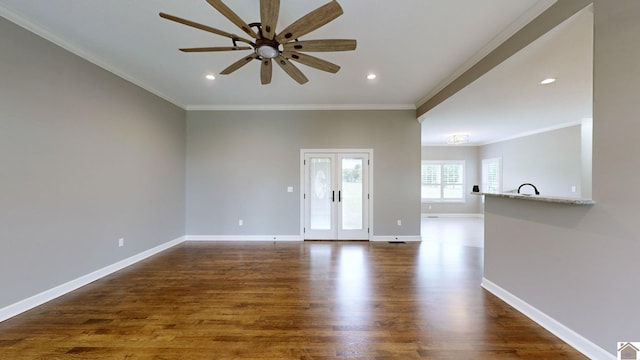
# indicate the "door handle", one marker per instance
pixel 333 196
pixel 339 195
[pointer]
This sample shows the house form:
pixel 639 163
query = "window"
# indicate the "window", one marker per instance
pixel 443 181
pixel 491 175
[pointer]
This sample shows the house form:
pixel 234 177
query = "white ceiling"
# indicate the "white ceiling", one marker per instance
pixel 509 100
pixel 413 46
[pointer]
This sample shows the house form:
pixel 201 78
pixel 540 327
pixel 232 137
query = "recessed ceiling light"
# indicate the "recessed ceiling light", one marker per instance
pixel 547 81
pixel 371 76
pixel 210 77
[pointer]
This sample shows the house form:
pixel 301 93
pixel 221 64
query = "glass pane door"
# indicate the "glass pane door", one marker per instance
pixel 353 196
pixel 351 193
pixel 336 196
pixel 321 193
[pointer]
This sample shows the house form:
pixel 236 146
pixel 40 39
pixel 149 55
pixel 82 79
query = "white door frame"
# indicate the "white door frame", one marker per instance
pixel 303 152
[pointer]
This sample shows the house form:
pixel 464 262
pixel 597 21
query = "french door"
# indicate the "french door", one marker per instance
pixel 336 195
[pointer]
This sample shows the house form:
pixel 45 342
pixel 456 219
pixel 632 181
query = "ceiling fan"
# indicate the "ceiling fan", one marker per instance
pixel 269 46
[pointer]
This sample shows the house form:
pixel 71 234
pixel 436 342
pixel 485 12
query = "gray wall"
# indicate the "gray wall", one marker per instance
pixel 85 158
pixel 580 264
pixel 472 172
pixel 552 161
pixel 239 164
pixel 554 167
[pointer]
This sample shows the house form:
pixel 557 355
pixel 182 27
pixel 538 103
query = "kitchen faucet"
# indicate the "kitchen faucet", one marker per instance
pixel 533 186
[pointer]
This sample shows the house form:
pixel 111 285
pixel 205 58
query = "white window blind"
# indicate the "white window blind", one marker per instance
pixel 491 175
pixel 442 181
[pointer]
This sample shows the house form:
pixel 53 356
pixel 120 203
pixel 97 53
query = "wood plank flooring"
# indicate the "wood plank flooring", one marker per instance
pixel 311 300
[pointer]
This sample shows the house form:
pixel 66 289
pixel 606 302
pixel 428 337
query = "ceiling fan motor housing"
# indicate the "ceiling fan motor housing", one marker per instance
pixel 268 45
pixel 267 49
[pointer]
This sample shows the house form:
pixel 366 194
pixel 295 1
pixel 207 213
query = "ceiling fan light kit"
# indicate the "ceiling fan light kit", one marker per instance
pixel 269 45
pixel 267 49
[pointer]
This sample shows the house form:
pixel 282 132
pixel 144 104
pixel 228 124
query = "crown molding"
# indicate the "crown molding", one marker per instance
pixel 21 21
pixel 299 107
pixel 534 132
pixel 535 11
pixel 513 137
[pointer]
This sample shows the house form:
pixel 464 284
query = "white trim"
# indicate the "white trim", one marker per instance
pixel 371 192
pixel 569 336
pixel 53 293
pixel 452 215
pixel 21 21
pixel 484 174
pixel 534 132
pixel 512 137
pixel 294 107
pixel 344 150
pixel 439 143
pixel 535 11
pixel 302 151
pixel 302 192
pixel 441 199
pixel 243 238
pixel 409 238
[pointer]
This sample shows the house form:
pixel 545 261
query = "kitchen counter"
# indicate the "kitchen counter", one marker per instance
pixel 551 199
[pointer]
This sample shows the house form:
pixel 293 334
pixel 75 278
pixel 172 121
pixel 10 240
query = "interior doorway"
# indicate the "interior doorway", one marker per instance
pixel 336 197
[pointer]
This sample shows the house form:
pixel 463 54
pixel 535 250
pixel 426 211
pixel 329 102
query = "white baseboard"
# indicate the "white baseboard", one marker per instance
pixel 286 238
pixel 397 238
pixel 462 215
pixel 243 238
pixel 48 295
pixel 569 336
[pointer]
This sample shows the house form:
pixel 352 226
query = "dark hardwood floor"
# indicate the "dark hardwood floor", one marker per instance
pixel 312 300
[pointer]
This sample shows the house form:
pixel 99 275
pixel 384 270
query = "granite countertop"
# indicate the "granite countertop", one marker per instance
pixel 551 199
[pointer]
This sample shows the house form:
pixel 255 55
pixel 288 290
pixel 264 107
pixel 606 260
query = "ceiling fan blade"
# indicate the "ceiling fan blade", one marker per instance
pixel 291 69
pixel 321 45
pixel 233 17
pixel 266 69
pixel 269 10
pixel 216 48
pixel 203 27
pixel 238 64
pixel 312 61
pixel 310 22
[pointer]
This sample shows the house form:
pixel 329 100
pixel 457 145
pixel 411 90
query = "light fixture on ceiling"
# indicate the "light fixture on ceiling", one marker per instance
pixel 457 139
pixel 371 76
pixel 267 49
pixel 210 77
pixel 268 46
pixel 548 81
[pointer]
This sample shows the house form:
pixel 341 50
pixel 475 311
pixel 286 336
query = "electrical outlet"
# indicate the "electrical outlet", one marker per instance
pixel 429 207
pixel 573 189
pixel 121 242
pixel 290 189
pixel 399 222
pixel 240 222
